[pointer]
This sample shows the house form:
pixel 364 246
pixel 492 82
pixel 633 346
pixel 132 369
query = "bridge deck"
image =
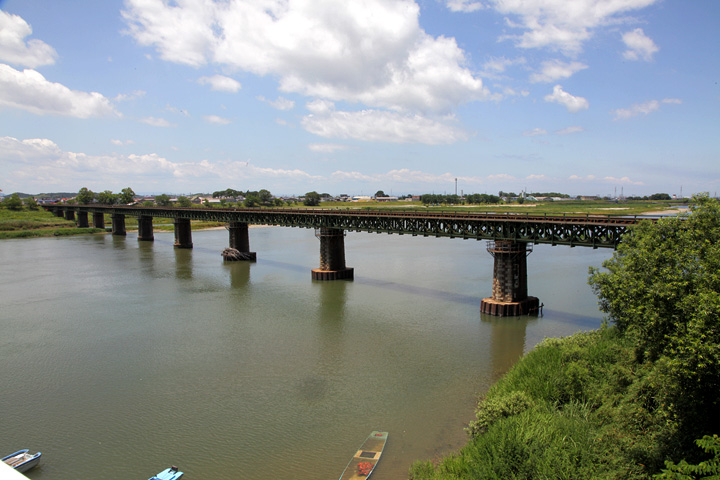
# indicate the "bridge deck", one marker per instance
pixel 597 231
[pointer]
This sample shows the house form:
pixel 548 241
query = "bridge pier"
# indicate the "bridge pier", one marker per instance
pixel 69 214
pixel 239 248
pixel 509 293
pixel 332 255
pixel 145 228
pixel 183 233
pixel 98 220
pixel 59 212
pixel 118 224
pixel 82 219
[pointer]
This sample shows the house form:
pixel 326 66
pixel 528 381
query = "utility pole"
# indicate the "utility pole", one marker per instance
pixel 456 186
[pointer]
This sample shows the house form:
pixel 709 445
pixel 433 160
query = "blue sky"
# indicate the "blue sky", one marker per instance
pixel 187 96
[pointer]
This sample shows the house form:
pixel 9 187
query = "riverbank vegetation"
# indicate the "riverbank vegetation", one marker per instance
pixel 633 400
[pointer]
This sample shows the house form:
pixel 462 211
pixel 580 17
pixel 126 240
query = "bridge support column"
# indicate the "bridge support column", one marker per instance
pixel 239 248
pixel 118 224
pixel 145 228
pixel 98 220
pixel 509 293
pixel 183 233
pixel 69 214
pixel 59 212
pixel 82 219
pixel 332 255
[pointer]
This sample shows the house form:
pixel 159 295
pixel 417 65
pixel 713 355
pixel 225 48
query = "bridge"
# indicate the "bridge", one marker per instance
pixel 510 237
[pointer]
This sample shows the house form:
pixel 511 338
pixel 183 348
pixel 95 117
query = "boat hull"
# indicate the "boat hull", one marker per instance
pixel 22 461
pixel 366 458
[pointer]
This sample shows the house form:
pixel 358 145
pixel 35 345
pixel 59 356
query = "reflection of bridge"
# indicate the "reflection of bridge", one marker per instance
pixel 511 235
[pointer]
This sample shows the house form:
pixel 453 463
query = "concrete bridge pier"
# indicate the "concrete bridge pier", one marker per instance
pixel 82 219
pixel 98 220
pixel 145 228
pixel 332 255
pixel 69 214
pixel 239 248
pixel 59 212
pixel 183 233
pixel 118 224
pixel 509 294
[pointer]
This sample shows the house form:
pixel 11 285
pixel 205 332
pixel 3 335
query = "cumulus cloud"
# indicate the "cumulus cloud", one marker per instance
pixel 280 103
pixel 221 83
pixel 639 46
pixel 534 132
pixel 156 122
pixel 570 130
pixel 572 103
pixel 553 70
pixel 326 147
pixel 464 6
pixel 378 126
pixel 372 51
pixel 642 108
pixel 216 120
pixel 30 91
pixel 560 25
pixel 14 49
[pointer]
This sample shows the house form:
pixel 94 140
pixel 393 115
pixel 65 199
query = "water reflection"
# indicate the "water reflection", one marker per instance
pixel 508 340
pixel 239 274
pixel 183 264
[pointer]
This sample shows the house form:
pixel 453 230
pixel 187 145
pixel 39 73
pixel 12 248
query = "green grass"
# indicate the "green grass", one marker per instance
pixel 572 408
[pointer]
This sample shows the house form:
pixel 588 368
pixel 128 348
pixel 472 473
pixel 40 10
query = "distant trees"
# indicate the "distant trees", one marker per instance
pixel 13 202
pixel 312 199
pixel 162 200
pixel 31 204
pixel 106 198
pixel 380 193
pixel 475 198
pixel 184 201
pixel 227 193
pixel 126 196
pixel 85 196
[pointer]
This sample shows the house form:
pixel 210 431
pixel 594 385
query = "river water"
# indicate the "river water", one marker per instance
pixel 119 358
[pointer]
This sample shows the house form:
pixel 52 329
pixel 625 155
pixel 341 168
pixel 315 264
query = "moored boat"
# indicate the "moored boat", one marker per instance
pixel 22 461
pixel 172 473
pixel 364 461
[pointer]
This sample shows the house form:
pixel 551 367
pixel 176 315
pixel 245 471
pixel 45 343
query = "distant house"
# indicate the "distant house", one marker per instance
pixel 362 198
pixel 386 199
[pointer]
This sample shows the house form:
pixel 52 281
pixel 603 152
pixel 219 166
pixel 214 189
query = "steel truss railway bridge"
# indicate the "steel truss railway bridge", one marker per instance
pixel 510 237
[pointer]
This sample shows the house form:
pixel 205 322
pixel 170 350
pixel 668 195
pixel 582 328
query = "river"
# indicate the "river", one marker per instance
pixel 119 358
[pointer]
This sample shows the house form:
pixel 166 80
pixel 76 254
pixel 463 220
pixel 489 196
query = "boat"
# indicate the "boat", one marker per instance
pixel 363 462
pixel 171 473
pixel 22 461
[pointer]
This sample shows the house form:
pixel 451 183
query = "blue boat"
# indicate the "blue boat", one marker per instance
pixel 171 473
pixel 22 461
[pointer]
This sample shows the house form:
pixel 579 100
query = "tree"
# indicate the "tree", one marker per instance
pixel 662 290
pixel 312 199
pixel 162 200
pixel 265 198
pixel 184 201
pixel 31 204
pixel 380 193
pixel 13 202
pixel 127 196
pixel 107 198
pixel 660 196
pixel 85 196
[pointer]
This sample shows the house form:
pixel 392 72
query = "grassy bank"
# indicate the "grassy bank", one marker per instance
pixel 572 408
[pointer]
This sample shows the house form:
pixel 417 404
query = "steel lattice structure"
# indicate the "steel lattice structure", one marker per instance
pixel 597 231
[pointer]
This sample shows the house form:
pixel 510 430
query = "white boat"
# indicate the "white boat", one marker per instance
pixel 172 473
pixel 22 461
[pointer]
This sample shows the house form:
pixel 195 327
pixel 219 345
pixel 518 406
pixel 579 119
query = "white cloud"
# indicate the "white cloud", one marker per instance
pixel 120 143
pixel 156 122
pixel 562 25
pixel 639 46
pixel 125 97
pixel 280 103
pixel 30 91
pixel 642 108
pixel 370 51
pixel 570 130
pixel 534 132
pixel 379 126
pixel 221 83
pixel 553 70
pixel 466 6
pixel 604 180
pixel 326 147
pixel 572 103
pixel 14 50
pixel 216 120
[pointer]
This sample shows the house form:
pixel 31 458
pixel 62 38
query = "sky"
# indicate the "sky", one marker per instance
pixel 584 97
